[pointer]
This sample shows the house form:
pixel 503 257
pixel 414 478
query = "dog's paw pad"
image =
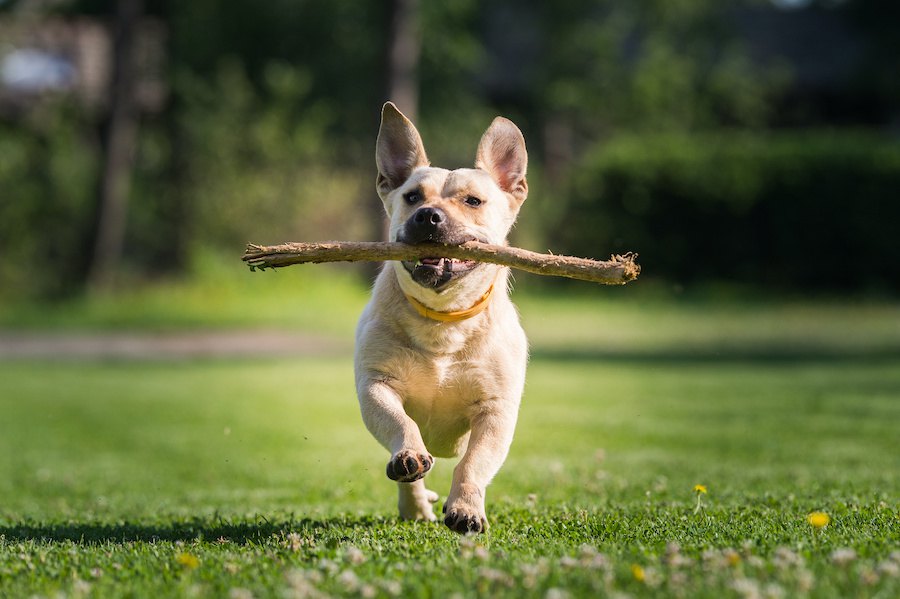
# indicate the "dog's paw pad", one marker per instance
pixel 464 523
pixel 407 466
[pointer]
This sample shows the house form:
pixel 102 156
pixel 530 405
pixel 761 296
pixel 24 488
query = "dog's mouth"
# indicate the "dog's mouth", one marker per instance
pixel 437 272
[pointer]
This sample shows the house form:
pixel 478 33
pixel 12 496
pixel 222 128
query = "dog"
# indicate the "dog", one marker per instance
pixel 440 355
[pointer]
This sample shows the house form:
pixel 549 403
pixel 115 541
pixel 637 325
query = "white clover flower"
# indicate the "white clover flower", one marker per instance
pixel 843 556
pixel 81 587
pixel 889 568
pixel 294 541
pixel 677 579
pixel 467 546
pixel 239 593
pixel 349 580
pixel 301 584
pixel 327 565
pixel 555 593
pixel 391 587
pixel 756 562
pixel 805 580
pixel 495 576
pixel 785 558
pixel 597 562
pixel 746 588
pixel 869 577
pixel 355 556
pixel 367 591
pixel 652 577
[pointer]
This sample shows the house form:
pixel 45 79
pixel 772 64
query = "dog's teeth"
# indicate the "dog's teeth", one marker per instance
pixel 418 263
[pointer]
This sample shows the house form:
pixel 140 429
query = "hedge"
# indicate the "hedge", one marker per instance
pixel 817 210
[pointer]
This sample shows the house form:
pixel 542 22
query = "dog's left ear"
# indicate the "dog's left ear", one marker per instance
pixel 502 154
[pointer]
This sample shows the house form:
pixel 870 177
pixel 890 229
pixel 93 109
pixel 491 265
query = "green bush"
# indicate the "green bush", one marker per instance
pixel 48 170
pixel 240 162
pixel 262 165
pixel 811 209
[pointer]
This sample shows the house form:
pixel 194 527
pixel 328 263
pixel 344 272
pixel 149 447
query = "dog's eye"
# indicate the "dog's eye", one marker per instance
pixel 413 197
pixel 473 201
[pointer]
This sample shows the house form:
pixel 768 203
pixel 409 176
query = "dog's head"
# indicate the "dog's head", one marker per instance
pixel 439 206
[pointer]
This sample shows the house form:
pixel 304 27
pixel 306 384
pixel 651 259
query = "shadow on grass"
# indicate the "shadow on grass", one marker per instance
pixel 194 529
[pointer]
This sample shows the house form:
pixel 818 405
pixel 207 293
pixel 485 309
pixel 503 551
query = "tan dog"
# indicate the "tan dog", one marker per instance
pixel 440 355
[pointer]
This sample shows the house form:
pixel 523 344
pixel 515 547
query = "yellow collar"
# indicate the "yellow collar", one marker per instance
pixel 456 315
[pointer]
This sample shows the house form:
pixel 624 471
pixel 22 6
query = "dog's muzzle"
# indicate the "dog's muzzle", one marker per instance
pixel 429 225
pixel 437 272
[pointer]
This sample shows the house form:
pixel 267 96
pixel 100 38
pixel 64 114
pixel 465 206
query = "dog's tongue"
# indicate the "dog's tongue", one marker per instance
pixel 432 261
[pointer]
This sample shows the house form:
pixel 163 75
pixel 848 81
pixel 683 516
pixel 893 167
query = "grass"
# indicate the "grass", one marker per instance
pixel 221 293
pixel 239 478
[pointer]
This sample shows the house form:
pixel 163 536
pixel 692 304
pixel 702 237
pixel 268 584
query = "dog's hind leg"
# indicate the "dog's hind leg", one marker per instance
pixel 416 501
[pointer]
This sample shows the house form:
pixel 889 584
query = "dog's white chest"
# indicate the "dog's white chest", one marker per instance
pixel 439 394
pixel 437 385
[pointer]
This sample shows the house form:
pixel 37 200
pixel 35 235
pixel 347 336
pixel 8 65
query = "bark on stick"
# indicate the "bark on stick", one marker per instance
pixel 618 270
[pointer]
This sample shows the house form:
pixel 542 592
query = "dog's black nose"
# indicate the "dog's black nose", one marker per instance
pixel 429 216
pixel 426 224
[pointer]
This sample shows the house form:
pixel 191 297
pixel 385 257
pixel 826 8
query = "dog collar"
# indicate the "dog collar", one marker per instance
pixel 456 315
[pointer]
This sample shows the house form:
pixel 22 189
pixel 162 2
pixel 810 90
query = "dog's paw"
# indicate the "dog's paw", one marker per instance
pixel 464 521
pixel 464 513
pixel 418 507
pixel 407 466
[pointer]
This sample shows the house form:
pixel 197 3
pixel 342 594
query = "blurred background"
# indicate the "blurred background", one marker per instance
pixel 751 143
pixel 749 151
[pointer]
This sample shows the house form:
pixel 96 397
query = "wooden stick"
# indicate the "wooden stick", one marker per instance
pixel 618 270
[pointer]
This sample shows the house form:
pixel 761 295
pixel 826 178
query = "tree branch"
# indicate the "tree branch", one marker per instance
pixel 618 270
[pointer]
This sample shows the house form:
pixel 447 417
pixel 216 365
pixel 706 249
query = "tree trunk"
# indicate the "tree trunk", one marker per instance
pixel 404 50
pixel 401 86
pixel 119 148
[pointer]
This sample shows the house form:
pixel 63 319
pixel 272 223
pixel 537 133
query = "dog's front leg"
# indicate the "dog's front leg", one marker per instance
pixel 384 416
pixel 492 433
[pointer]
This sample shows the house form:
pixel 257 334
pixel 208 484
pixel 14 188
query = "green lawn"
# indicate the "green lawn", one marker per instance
pixel 241 478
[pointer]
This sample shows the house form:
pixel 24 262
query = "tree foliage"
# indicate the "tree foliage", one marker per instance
pixel 273 109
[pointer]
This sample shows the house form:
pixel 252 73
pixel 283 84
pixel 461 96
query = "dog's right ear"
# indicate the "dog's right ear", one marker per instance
pixel 398 151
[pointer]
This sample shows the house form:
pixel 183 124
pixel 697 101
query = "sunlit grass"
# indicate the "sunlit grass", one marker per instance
pixel 214 477
pixel 666 447
pixel 221 293
pixel 287 435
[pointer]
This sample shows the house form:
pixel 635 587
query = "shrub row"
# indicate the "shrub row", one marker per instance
pixel 818 210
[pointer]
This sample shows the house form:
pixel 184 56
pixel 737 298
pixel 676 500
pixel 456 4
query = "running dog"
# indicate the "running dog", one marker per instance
pixel 440 354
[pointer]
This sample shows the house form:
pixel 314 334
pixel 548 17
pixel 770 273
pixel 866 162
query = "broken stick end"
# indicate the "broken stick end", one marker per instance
pixel 630 268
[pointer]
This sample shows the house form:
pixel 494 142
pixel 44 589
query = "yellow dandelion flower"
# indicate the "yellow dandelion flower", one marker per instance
pixel 818 519
pixel 187 560
pixel 700 490
pixel 638 573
